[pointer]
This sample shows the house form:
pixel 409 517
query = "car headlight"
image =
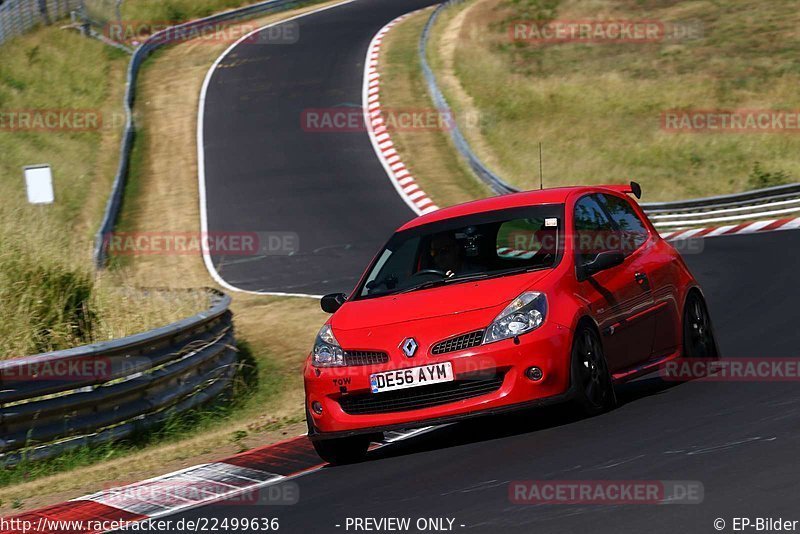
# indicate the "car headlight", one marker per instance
pixel 327 352
pixel 525 313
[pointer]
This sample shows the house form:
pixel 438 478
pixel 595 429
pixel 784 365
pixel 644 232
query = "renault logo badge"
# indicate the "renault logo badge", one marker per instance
pixel 409 347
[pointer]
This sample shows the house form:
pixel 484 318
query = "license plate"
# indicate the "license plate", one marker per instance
pixel 411 377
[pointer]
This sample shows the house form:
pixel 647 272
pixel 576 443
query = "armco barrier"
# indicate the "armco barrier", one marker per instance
pixel 157 40
pixel 19 16
pixel 53 402
pixel 759 204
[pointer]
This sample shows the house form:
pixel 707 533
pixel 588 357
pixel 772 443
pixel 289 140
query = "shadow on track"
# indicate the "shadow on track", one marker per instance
pixel 528 421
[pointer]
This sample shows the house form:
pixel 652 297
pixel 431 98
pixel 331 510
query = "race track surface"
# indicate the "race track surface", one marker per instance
pixel 267 172
pixel 740 440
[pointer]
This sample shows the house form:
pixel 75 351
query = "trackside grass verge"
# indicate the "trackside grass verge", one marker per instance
pixel 598 107
pixel 429 154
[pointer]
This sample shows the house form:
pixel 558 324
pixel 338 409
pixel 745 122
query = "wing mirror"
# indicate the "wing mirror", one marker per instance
pixel 601 262
pixel 331 303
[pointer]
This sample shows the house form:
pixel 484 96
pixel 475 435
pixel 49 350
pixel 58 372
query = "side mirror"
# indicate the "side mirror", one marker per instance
pixel 601 262
pixel 331 303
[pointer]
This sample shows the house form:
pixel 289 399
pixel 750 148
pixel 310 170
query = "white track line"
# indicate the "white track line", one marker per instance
pixel 201 158
pixel 402 180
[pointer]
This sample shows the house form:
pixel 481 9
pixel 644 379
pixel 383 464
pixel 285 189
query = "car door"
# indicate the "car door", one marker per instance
pixel 659 265
pixel 620 298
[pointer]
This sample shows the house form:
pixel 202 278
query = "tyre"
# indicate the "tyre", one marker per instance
pixel 593 389
pixel 698 332
pixel 338 451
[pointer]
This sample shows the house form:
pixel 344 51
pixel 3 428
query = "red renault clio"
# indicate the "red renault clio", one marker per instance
pixel 499 304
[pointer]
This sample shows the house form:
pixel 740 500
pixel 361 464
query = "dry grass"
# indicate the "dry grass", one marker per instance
pixel 597 107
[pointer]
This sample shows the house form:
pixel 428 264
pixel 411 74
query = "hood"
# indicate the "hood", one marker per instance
pixel 434 302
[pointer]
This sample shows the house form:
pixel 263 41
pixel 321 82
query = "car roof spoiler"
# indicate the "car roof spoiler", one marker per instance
pixel 633 189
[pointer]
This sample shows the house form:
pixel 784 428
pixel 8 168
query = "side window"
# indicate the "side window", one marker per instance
pixel 592 229
pixel 634 232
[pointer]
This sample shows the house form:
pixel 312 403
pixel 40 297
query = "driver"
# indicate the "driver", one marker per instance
pixel 444 252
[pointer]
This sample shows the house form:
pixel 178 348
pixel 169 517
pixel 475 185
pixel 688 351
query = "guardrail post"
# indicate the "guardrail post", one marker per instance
pixel 43 11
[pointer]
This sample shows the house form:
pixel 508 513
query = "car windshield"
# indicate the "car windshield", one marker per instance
pixel 481 245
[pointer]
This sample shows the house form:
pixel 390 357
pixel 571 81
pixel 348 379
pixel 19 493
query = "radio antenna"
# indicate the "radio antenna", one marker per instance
pixel 541 176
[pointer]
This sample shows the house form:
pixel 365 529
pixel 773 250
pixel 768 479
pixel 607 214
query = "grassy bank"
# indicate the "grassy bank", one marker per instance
pixel 176 10
pixel 50 297
pixel 275 333
pixel 597 107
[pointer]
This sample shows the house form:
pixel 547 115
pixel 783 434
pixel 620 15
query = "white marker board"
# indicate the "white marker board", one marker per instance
pixel 39 183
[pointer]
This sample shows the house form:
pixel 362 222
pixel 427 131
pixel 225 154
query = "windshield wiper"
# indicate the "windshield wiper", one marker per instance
pixel 443 281
pixel 466 278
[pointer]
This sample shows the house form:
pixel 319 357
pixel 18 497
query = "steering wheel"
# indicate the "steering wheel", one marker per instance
pixel 430 271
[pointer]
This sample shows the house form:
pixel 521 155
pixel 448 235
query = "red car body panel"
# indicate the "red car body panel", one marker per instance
pixel 637 308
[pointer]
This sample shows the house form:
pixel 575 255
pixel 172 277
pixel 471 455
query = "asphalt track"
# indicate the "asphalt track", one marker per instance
pixel 740 440
pixel 266 172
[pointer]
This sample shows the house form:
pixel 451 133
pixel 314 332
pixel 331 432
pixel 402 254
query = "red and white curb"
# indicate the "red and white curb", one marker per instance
pixel 375 119
pixel 734 229
pixel 235 481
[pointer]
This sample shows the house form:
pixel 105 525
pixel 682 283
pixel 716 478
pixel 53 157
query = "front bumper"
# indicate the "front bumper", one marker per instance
pixel 547 348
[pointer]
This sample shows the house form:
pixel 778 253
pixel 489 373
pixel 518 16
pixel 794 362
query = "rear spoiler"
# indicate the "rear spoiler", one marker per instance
pixel 633 189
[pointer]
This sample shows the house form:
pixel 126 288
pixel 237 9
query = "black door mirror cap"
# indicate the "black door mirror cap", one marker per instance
pixel 604 260
pixel 332 302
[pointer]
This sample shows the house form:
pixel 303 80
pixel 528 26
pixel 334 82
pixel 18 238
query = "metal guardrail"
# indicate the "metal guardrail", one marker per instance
pixel 497 184
pixel 762 203
pixel 156 41
pixel 770 202
pixel 57 401
pixel 19 16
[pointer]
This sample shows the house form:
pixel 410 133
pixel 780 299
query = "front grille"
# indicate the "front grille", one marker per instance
pixel 420 397
pixel 464 341
pixel 364 357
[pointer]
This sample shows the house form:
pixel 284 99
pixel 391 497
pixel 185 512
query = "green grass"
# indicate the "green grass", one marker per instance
pixel 596 107
pixel 176 10
pixel 53 69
